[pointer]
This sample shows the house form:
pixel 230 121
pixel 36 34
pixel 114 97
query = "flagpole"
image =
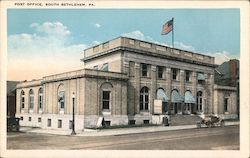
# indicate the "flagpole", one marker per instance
pixel 173 33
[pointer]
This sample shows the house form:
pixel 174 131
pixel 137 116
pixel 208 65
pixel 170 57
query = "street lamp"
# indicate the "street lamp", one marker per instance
pixel 73 115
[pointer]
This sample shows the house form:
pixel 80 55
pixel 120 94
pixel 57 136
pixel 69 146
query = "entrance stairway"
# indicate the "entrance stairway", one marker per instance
pixel 178 119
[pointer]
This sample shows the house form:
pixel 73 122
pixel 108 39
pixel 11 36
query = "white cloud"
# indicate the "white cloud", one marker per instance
pixel 95 43
pixel 140 36
pixel 97 25
pixel 183 46
pixel 45 52
pixel 222 56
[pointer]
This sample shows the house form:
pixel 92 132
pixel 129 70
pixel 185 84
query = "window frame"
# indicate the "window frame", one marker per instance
pixel 106 99
pixel 31 99
pixel 22 101
pixel 226 104
pixel 40 99
pixel 144 99
pixel 188 76
pixel 174 74
pixel 144 70
pixel 160 72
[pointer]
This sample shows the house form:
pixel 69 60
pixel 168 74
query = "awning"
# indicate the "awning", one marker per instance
pixel 176 97
pixel 189 98
pixel 201 76
pixel 161 95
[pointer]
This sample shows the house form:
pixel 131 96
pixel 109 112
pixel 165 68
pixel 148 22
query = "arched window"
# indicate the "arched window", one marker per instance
pixel 199 101
pixel 31 99
pixel 22 103
pixel 40 99
pixel 144 98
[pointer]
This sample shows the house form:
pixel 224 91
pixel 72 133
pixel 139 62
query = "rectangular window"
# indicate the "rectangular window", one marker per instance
pixel 21 118
pixel 70 124
pixel 107 123
pixel 160 72
pixel 188 74
pixel 146 102
pixel 141 102
pixel 131 122
pixel 22 102
pixel 144 70
pixel 174 74
pixel 106 100
pixel 40 102
pixel 59 123
pixel 29 118
pixel 49 122
pixel 146 122
pixel 31 102
pixel 225 104
pixel 39 119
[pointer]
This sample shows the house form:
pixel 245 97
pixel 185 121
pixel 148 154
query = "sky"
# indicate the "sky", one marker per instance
pixel 43 42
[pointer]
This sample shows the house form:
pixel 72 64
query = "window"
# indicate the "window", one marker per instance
pixel 188 75
pixel 107 123
pixel 61 100
pixel 59 124
pixel 29 118
pixel 21 118
pixel 225 104
pixel 70 124
pixel 105 67
pixel 105 100
pixel 22 99
pixel 39 119
pixel 96 67
pixel 174 74
pixel 49 122
pixel 199 101
pixel 31 99
pixel 144 70
pixel 40 99
pixel 146 122
pixel 131 122
pixel 144 98
pixel 160 72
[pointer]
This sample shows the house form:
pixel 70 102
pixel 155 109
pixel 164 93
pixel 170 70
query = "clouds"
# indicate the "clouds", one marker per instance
pixel 140 36
pixel 49 50
pixel 97 25
pixel 220 57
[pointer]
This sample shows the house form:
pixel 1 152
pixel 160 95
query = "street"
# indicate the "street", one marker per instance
pixel 218 138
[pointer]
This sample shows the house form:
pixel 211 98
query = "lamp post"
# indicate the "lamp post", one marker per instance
pixel 73 115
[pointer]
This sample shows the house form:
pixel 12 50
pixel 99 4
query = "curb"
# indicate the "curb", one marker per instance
pixel 116 132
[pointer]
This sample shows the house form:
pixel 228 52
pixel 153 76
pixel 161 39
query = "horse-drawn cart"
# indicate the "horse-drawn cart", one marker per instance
pixel 210 121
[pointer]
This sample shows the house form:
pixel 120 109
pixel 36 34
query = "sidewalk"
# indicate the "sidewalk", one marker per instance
pixel 118 131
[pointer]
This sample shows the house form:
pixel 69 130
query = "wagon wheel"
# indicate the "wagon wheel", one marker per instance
pixel 222 123
pixel 198 125
pixel 209 124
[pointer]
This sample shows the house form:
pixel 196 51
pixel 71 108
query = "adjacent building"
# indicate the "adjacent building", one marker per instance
pixel 123 81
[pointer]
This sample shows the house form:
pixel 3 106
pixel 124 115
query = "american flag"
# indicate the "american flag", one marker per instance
pixel 167 27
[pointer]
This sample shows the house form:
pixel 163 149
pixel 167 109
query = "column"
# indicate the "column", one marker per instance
pixel 168 88
pixel 194 87
pixel 153 88
pixel 137 88
pixel 182 87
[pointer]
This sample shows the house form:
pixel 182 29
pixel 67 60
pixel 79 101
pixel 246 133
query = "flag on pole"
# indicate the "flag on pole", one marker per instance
pixel 167 27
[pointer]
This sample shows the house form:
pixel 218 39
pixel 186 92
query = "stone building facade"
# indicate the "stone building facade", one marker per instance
pixel 121 81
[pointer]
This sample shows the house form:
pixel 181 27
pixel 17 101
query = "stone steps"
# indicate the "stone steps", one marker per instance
pixel 177 120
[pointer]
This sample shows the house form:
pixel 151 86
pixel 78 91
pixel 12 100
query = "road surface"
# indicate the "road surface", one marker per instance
pixel 219 138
